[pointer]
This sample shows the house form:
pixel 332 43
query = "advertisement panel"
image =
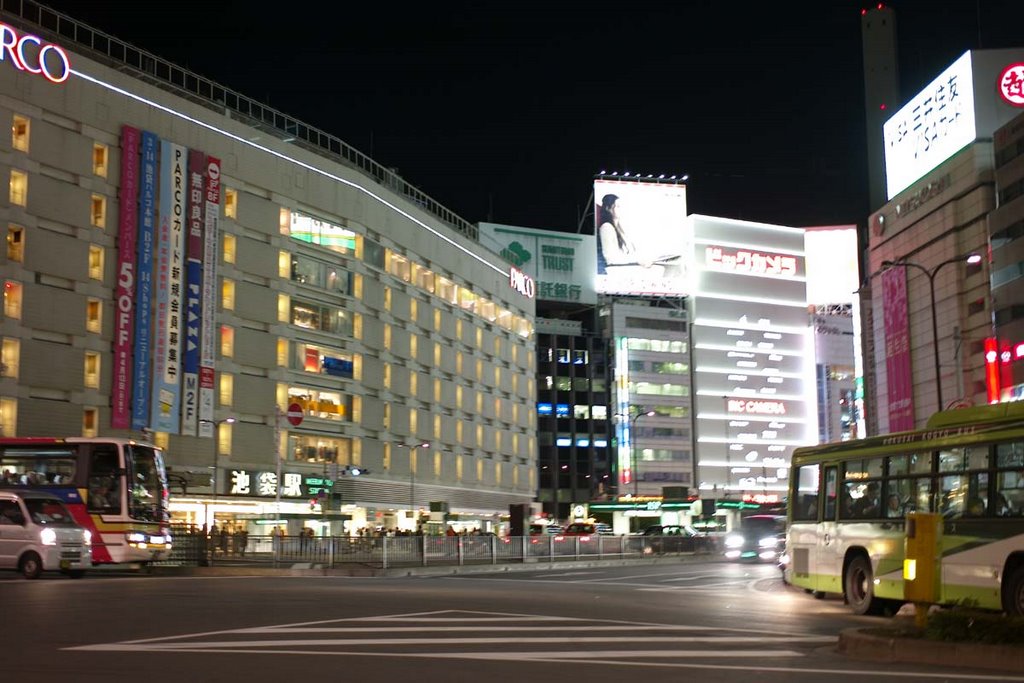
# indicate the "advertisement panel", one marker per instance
pixel 124 295
pixel 166 394
pixel 208 327
pixel 899 380
pixel 559 263
pixel 643 238
pixel 144 290
pixel 193 293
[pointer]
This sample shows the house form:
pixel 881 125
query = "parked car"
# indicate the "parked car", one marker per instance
pixel 671 538
pixel 37 534
pixel 759 537
pixel 580 529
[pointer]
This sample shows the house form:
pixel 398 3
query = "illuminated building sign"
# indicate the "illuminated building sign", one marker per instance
pixel 521 282
pixel 754 262
pixel 933 126
pixel 248 483
pixel 992 370
pixel 761 498
pixel 29 53
pixel 757 407
pixel 1011 84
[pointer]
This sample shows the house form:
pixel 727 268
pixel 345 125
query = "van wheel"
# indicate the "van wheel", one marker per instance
pixel 860 587
pixel 1013 593
pixel 31 566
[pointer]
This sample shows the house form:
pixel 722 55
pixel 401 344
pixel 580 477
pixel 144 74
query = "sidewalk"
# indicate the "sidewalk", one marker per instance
pixel 869 644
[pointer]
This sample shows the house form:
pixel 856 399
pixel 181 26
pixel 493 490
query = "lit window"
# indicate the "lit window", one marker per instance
pixel 437 395
pixel 413 421
pixel 229 248
pixel 437 426
pixel 458 363
pixel 92 369
pixel 282 353
pixel 19 133
pixel 413 383
pixel 8 416
pixel 227 389
pixel 98 215
pixel 223 436
pixel 90 422
pixel 99 159
pixel 227 294
pixel 458 467
pixel 285 221
pixel 96 262
pixel 10 357
pixel 227 341
pixel 413 345
pixel 231 203
pixel 387 299
pixel 437 464
pixel 19 187
pixel 437 319
pixel 387 336
pixel 93 315
pixel 284 308
pixel 387 376
pixel 12 299
pixel 437 354
pixel 413 310
pixel 284 265
pixel 15 243
pixel 479 470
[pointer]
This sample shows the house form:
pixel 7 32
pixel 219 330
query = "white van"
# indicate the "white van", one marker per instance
pixel 38 534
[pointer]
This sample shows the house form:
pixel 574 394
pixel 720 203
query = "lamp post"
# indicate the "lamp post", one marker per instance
pixel 216 448
pixel 412 474
pixel 930 274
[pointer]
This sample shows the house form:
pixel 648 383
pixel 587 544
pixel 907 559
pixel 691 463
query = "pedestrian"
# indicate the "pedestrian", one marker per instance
pixel 225 536
pixel 242 540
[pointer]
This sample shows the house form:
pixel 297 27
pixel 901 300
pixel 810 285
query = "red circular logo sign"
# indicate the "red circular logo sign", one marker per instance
pixel 1011 84
pixel 294 414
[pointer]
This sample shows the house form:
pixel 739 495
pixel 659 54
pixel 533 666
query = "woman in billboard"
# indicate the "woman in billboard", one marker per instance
pixel 615 249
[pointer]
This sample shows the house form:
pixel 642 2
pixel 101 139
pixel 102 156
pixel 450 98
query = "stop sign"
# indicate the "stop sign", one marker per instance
pixel 294 414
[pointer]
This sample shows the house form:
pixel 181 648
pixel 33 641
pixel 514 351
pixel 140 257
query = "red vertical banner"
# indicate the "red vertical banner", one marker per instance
pixel 992 387
pixel 124 294
pixel 899 378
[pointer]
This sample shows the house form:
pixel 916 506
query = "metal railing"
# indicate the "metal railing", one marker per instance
pixel 422 551
pixel 152 69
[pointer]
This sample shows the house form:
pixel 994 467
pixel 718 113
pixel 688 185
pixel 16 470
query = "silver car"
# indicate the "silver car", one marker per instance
pixel 37 534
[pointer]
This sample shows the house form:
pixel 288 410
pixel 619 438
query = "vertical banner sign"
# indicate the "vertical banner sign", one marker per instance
pixel 144 289
pixel 124 294
pixel 208 329
pixel 899 379
pixel 193 292
pixel 166 395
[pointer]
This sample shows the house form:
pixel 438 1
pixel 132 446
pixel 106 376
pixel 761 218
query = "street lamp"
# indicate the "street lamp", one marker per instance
pixel 412 473
pixel 930 274
pixel 216 448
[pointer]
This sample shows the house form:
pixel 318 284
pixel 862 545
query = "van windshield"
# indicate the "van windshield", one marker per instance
pixel 48 512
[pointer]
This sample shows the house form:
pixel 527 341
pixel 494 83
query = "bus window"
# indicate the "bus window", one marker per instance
pixel 104 481
pixel 830 494
pixel 1010 454
pixel 806 508
pixel 146 485
pixel 965 495
pixel 870 468
pixel 1009 494
pixel 921 494
pixel 963 459
pixel 899 498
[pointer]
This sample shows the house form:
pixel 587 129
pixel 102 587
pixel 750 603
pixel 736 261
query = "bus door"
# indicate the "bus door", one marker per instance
pixel 828 560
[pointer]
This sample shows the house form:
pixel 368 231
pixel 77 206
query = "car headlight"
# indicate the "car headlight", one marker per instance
pixel 733 541
pixel 768 542
pixel 48 537
pixel 86 537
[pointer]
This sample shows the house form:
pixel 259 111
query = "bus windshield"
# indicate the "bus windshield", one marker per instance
pixel 148 486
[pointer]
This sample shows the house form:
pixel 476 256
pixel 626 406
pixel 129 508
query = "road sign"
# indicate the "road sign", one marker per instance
pixel 294 414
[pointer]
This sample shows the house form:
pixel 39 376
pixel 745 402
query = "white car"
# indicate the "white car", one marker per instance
pixel 37 534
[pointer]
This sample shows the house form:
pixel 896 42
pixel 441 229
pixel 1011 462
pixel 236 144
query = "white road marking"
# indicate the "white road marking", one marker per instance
pixel 552 576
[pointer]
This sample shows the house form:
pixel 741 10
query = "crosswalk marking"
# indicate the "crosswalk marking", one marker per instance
pixel 494 636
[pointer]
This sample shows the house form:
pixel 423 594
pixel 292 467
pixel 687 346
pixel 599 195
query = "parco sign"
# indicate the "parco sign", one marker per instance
pixel 29 53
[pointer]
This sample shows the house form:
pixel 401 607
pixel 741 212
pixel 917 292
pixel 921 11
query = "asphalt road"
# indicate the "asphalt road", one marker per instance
pixel 707 621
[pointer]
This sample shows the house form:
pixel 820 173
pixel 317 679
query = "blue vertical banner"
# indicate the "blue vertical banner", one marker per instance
pixel 144 284
pixel 166 394
pixel 193 293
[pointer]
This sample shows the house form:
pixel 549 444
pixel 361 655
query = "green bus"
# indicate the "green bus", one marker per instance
pixel 848 501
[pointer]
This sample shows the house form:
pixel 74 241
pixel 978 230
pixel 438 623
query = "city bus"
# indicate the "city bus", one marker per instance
pixel 115 488
pixel 848 503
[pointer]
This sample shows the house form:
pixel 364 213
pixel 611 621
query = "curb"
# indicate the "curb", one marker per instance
pixel 857 644
pixel 307 569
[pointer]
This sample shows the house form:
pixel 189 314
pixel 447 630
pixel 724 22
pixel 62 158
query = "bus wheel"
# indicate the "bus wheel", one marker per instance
pixel 818 595
pixel 31 566
pixel 860 587
pixel 1013 593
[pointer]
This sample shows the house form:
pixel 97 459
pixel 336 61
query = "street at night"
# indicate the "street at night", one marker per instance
pixel 716 620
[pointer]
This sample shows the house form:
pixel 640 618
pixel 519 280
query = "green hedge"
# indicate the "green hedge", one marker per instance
pixel 973 626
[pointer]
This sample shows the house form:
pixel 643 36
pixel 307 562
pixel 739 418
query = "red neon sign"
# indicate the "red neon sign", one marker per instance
pixel 757 407
pixel 743 261
pixel 1011 84
pixel 992 369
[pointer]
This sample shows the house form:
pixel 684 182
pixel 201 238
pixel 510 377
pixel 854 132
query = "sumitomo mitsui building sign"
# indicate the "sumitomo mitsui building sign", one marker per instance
pixel 753 354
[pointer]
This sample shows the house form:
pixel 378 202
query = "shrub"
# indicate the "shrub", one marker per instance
pixel 974 626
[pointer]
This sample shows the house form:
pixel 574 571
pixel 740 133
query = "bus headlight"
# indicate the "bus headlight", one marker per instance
pixel 135 537
pixel 768 542
pixel 86 537
pixel 733 541
pixel 48 537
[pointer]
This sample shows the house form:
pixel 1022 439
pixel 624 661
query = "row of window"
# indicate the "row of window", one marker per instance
pixel 975 481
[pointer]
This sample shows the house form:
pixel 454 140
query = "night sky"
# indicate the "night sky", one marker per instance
pixel 505 111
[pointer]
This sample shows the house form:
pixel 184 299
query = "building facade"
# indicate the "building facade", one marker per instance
pixel 334 293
